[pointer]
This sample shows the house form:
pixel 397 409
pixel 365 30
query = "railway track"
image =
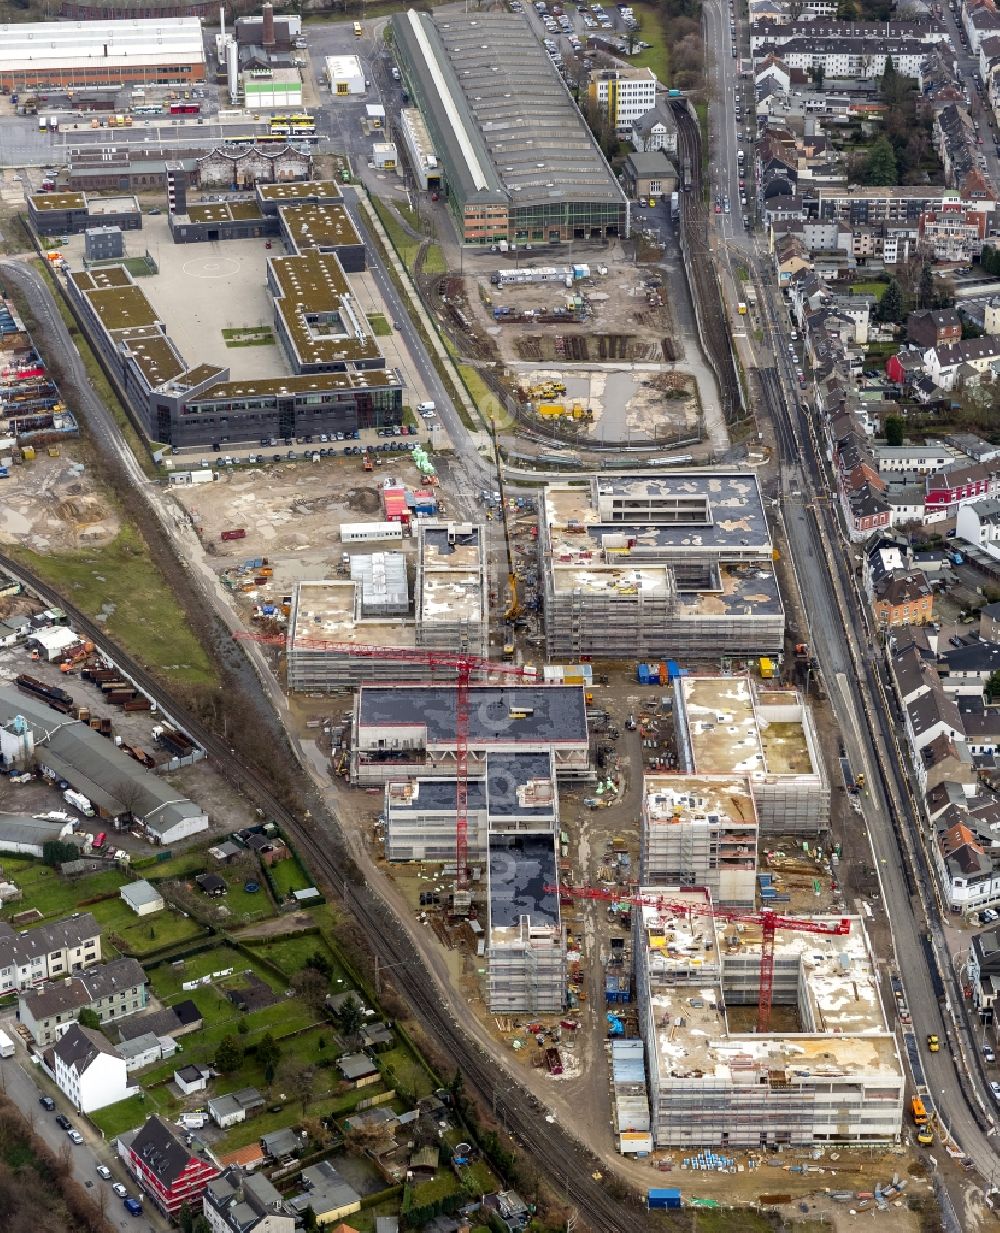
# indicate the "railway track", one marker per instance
pixel 701 269
pixel 566 1165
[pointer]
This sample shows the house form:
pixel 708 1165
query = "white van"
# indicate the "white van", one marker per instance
pixel 423 407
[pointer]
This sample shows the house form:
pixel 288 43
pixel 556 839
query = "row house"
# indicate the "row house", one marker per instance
pixel 980 20
pixel 948 490
pixel 862 490
pixel 969 878
pixel 927 327
pixel 904 597
pixel 885 244
pixel 48 951
pixel 942 364
pixel 851 58
pixel 113 991
pixel 926 33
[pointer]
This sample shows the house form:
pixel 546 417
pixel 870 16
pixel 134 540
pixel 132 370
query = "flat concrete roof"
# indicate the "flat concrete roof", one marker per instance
pixel 517 784
pixel 837 990
pixel 690 512
pixel 300 190
pixel 330 611
pixel 732 731
pixel 498 714
pixel 451 572
pixel 667 799
pixel 520 867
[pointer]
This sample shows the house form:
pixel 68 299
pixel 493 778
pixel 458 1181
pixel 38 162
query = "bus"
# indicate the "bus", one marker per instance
pixel 357 30
pixel 300 123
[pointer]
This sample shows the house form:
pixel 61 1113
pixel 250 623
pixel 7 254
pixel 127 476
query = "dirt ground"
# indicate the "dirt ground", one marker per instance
pixel 292 514
pixel 53 503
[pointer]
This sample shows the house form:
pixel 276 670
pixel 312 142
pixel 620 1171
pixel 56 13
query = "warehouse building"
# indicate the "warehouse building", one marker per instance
pixel 728 725
pixel 700 831
pixel 403 731
pixel 339 380
pixel 117 786
pixel 450 613
pixel 657 567
pixel 838 1078
pixel 26 836
pixel 345 74
pixel 163 51
pixel 54 214
pixel 518 160
pixel 517 793
pixel 526 942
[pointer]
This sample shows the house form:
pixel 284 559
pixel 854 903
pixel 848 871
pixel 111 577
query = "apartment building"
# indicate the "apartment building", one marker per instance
pixel 236 1203
pixel 112 990
pixel 728 725
pixel 48 951
pixel 169 1172
pixel 838 1078
pixel 658 566
pixel 88 1069
pixel 700 831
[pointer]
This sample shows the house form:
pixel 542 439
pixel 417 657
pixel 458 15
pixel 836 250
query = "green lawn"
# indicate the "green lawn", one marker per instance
pixel 479 392
pixel 651 30
pixel 245 906
pixel 289 876
pixel 190 862
pixel 407 1072
pixel 146 618
pixel 115 1119
pixel 380 326
pixel 53 895
pixel 326 1100
pixel 876 289
pixel 434 262
pixel 292 954
pixel 405 245
pixel 143 936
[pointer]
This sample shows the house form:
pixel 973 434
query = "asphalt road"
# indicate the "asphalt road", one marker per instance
pixel 26 1093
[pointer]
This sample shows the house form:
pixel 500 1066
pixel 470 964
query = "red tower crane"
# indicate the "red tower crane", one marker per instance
pixel 766 918
pixel 464 666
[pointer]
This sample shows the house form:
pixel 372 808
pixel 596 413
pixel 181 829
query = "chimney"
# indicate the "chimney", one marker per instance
pixel 222 23
pixel 267 30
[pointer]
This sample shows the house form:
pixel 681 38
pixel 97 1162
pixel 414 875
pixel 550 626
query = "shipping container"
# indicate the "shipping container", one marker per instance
pixel 237 533
pixel 663 1197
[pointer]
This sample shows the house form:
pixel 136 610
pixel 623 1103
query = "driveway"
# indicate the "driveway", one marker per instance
pixel 25 1091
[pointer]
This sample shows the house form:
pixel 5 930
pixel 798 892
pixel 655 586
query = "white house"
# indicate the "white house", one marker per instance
pixel 142 897
pixel 233 1107
pixel 144 1050
pixel 192 1079
pixel 979 524
pixel 88 1069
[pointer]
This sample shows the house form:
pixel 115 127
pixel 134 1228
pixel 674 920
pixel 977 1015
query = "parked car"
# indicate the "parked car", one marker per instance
pixel 47 1103
pixel 104 1171
pixel 119 1190
pixel 75 1137
pixel 988 1054
pixel 63 1122
pixel 133 1206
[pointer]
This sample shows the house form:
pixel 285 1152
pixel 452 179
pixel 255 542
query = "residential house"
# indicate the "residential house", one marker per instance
pixel 235 1107
pixel 955 486
pixel 903 598
pixel 968 878
pixel 942 364
pixel 983 971
pixel 142 897
pixel 965 669
pixel 47 952
pixel 144 1050
pixel 953 233
pixel 930 715
pixel 88 1069
pixel 164 1167
pixel 656 129
pixel 648 174
pixel 945 760
pixel 979 524
pixel 113 991
pixel 235 1203
pixel 280 1144
pixel 172 1021
pixel 928 327
pixel 327 1193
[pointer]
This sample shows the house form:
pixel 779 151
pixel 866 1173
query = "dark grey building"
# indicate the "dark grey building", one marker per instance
pixel 103 243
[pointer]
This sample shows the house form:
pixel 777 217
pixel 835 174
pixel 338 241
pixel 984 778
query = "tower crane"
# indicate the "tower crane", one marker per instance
pixel 464 666
pixel 514 607
pixel 765 918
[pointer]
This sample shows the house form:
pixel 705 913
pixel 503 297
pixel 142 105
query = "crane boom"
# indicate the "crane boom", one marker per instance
pixel 514 607
pixel 767 919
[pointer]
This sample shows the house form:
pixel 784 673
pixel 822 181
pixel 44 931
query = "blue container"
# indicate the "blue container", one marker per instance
pixel 662 1197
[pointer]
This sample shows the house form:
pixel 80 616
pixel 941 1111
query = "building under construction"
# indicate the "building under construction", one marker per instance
pixel 450 613
pixel 405 731
pixel 836 1077
pixel 700 831
pixel 730 725
pixel 526 941
pixel 660 566
pixel 517 794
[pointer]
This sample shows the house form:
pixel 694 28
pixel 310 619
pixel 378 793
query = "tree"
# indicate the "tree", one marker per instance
pixel 309 1222
pixel 268 1055
pixel 894 430
pixel 890 307
pixel 970 329
pixel 321 963
pixel 89 1019
pixel 879 166
pixel 350 1016
pixel 992 690
pixel 889 83
pixel 311 986
pixel 54 852
pixel 925 291
pixel 229 1055
pixel 299 1080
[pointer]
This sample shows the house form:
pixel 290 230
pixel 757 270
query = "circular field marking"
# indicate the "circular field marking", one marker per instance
pixel 211 267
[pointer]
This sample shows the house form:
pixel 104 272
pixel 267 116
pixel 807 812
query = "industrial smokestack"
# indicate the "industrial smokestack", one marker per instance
pixel 233 70
pixel 222 22
pixel 267 32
